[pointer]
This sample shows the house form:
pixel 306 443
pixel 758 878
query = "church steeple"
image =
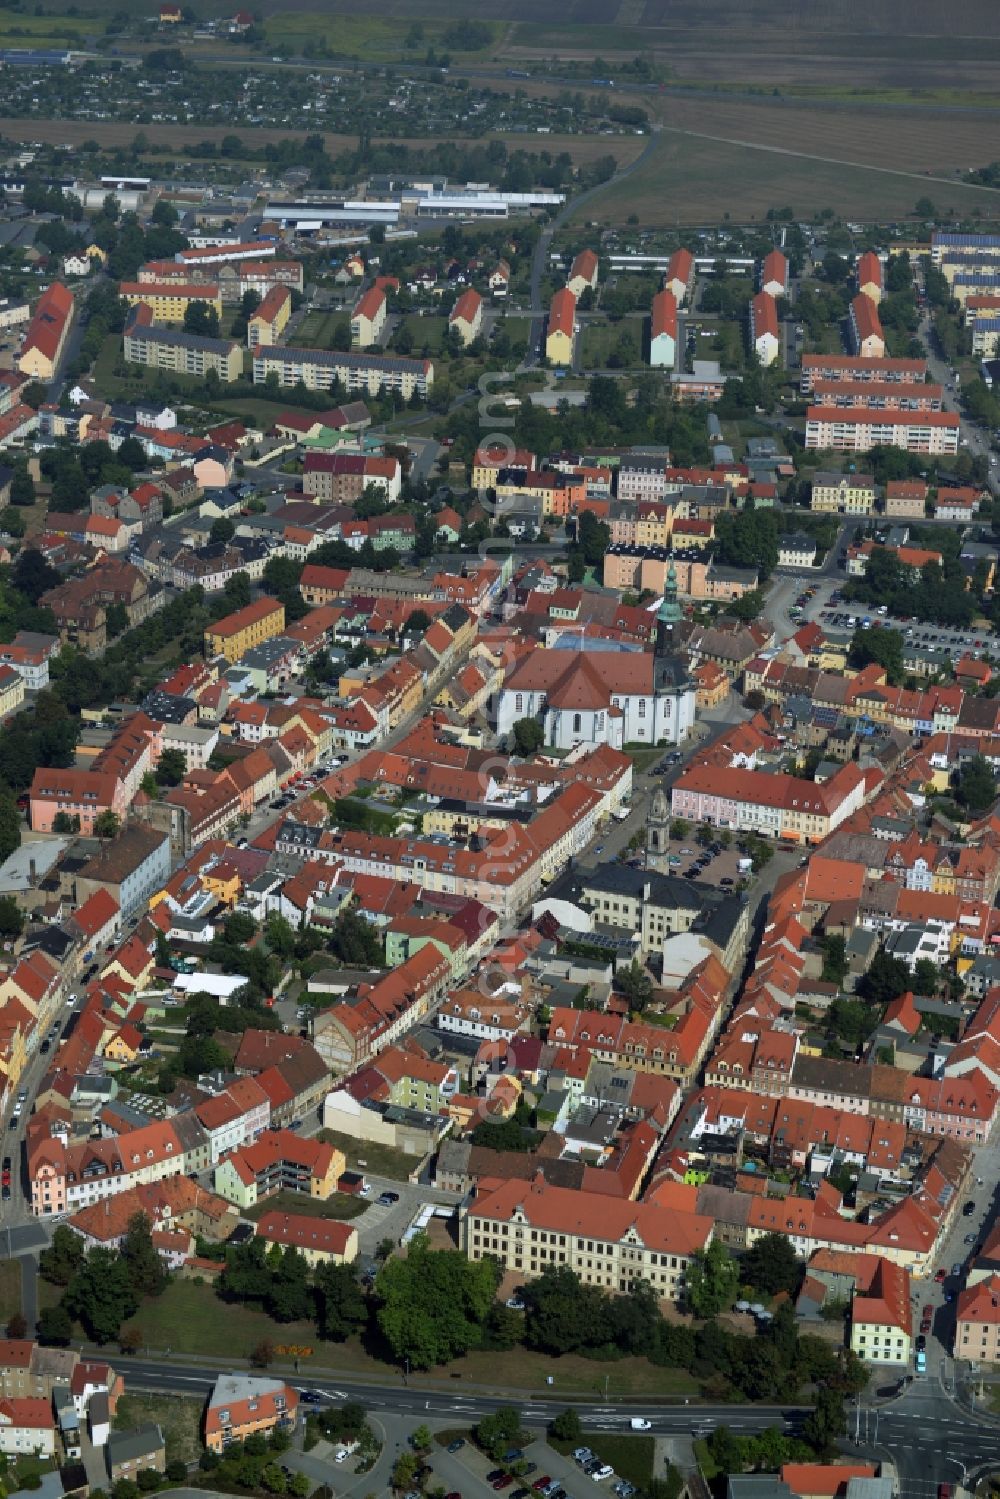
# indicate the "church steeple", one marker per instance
pixel 669 613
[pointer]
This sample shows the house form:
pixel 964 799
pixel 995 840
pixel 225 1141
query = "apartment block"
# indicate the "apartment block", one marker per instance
pixel 182 353
pixel 169 300
pixel 858 429
pixel 319 369
pixel 232 636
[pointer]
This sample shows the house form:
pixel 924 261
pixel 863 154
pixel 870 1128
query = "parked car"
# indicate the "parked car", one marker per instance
pixel 456 1445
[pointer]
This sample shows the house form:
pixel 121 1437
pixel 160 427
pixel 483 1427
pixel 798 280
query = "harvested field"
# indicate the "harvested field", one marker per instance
pixel 690 179
pixel 909 140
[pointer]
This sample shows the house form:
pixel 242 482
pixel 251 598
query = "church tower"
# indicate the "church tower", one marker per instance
pixel 658 833
pixel 668 615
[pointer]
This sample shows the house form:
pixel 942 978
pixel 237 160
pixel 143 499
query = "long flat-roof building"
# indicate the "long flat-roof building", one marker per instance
pixel 318 369
pixel 182 353
pixel 856 429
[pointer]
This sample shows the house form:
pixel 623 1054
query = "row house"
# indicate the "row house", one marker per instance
pixel 354 1031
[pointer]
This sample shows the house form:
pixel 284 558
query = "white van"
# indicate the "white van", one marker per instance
pixel 639 1423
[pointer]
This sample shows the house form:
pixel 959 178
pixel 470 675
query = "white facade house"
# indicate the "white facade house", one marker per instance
pixel 797 550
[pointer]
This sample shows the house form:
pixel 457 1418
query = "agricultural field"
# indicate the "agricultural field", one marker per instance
pixel 692 178
pixel 378 38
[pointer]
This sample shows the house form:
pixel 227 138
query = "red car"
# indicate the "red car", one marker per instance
pixel 940 1276
pixel 504 1482
pixel 5 1179
pixel 541 1483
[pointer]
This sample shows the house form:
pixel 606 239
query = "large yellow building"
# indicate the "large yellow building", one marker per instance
pixel 271 318
pixel 562 323
pixel 234 635
pixel 531 1227
pixel 169 300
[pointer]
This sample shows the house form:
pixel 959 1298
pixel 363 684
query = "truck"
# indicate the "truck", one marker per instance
pixel 622 814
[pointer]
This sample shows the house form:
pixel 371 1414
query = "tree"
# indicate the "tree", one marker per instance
pixel 826 1422
pixel 176 1471
pixel 201 318
pixel 65 822
pixel 635 984
pixel 32 575
pixel 63 1258
pixel 262 1353
pixel 280 935
pixel 434 1303
pixel 300 1486
pixel 878 645
pixel 132 453
pixel 54 1326
pixel 22 488
pixel 566 1426
pixel 145 1268
pixel 130 1339
pixel 11 917
pixel 273 1478
pixel 771 1266
pixel 107 825
pixel 222 530
pixel 528 736
pixel 420 1439
pixel 17 1326
pixel 237 592
pixel 100 1295
pixel 712 1280
pixel 418 623
pixel 12 522
pixel 886 979
pixel 925 977
pixel 171 767
pixel 10 824
pixel 404 1471
pixel 975 785
pixel 500 1430
pixel 341 1307
pixel 563 1315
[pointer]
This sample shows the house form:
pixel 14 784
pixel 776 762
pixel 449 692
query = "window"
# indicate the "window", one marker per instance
pixel 577 723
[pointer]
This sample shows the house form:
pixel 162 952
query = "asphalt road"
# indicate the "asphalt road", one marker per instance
pixel 410 1399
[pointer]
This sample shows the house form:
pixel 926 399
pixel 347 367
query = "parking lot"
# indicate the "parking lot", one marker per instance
pixel 548 1475
pixel 714 865
pixel 955 643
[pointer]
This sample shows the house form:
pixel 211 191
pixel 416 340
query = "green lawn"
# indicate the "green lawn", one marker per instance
pixel 10 1289
pixel 632 1457
pixel 179 1417
pixel 643 756
pixel 324 330
pixel 625 340
pixel 706 1461
pixel 427 333
pixel 191 1319
pixel 380 1160
pixel 340 1205
pixel 374 37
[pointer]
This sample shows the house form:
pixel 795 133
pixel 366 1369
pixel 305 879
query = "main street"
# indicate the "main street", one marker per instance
pixel 928 1438
pixel 925 1436
pixel 412 1399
